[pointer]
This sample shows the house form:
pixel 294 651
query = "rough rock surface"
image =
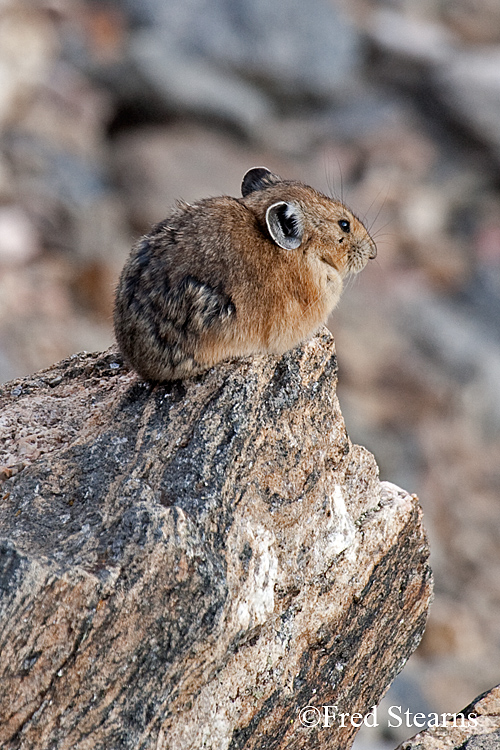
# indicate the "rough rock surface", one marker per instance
pixel 189 565
pixel 479 729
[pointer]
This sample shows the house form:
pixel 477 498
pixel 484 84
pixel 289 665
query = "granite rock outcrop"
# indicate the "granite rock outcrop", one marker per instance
pixel 192 564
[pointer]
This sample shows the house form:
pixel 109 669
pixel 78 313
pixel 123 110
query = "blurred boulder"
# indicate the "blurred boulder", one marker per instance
pixel 411 36
pixel 192 85
pixel 424 54
pixel 297 49
pixel 28 47
pixel 469 83
pixel 475 21
pixel 239 60
pixel 18 240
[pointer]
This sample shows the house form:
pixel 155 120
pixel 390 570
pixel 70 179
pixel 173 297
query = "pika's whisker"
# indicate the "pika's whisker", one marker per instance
pixel 372 223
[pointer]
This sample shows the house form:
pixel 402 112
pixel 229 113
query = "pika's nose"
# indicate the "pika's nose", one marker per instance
pixel 373 253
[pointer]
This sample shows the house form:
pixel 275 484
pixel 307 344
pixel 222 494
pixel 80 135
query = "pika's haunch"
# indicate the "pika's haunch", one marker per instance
pixel 229 277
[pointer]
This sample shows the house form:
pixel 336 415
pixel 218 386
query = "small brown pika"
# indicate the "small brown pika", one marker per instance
pixel 229 277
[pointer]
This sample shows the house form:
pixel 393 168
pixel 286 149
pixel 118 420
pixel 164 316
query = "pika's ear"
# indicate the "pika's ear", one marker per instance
pixel 258 178
pixel 284 222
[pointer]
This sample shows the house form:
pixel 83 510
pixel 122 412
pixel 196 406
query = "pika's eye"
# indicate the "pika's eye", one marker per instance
pixel 344 225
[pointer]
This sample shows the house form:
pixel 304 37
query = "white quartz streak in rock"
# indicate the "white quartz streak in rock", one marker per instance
pixel 259 600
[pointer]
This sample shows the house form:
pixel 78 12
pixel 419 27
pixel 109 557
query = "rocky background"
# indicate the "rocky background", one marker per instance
pixel 109 111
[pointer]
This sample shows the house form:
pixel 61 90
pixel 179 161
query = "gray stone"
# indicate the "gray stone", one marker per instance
pixel 476 727
pixel 190 565
pixel 191 84
pixel 469 83
pixel 427 54
pixel 410 36
pixel 294 48
pixel 462 348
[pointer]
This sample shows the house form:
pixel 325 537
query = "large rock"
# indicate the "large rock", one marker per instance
pixel 190 565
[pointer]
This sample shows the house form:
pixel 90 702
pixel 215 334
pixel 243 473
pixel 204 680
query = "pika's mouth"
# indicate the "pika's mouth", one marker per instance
pixel 360 255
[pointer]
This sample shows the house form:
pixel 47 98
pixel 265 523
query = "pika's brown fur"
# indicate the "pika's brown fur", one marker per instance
pixel 228 277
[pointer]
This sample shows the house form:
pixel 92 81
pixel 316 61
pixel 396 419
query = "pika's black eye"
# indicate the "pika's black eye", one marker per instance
pixel 344 225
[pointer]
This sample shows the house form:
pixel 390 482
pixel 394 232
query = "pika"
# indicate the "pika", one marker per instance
pixel 230 277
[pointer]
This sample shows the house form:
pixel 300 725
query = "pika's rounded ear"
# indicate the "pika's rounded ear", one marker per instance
pixel 258 178
pixel 284 222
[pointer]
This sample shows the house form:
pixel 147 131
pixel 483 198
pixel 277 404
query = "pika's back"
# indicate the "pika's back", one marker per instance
pixel 227 277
